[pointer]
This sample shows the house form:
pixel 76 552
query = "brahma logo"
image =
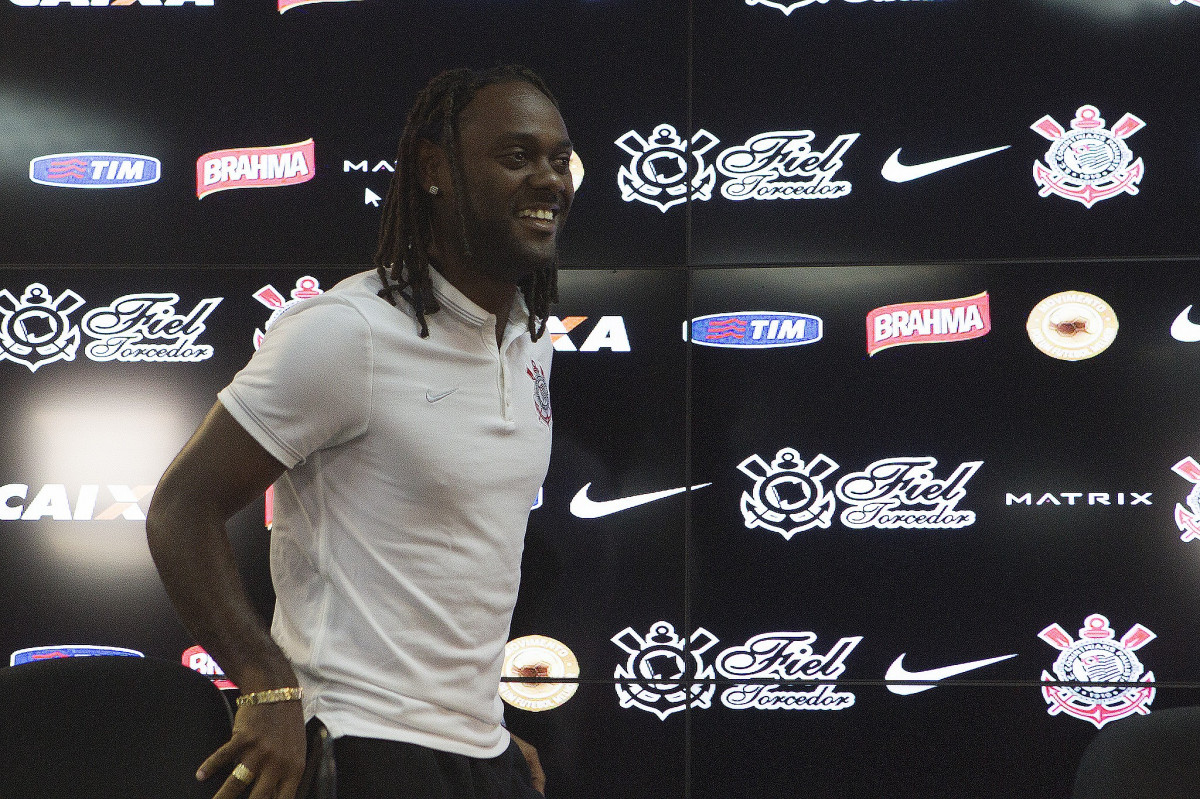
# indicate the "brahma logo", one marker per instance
pixel 196 659
pixel 52 501
pixel 94 170
pixel 255 167
pixel 284 5
pixel 94 3
pixel 928 322
pixel 36 653
pixel 755 329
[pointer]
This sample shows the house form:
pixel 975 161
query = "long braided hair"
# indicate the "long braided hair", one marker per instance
pixel 402 256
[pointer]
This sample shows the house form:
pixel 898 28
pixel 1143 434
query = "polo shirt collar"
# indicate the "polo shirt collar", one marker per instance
pixel 458 305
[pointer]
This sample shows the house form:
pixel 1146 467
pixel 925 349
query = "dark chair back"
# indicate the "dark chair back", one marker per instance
pixel 1143 757
pixel 108 727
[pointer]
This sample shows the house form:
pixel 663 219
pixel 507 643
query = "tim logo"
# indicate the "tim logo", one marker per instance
pixel 657 676
pixel 94 170
pixel 36 330
pixel 755 329
pixel 1097 657
pixel 36 653
pixel 665 168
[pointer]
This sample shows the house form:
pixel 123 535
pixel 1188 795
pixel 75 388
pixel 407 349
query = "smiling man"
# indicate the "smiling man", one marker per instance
pixel 404 419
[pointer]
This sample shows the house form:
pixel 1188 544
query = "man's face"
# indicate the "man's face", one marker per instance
pixel 516 165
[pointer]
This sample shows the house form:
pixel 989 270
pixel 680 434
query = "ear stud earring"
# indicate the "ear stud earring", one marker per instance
pixel 433 189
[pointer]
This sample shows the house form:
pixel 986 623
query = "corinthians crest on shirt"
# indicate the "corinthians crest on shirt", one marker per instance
pixel 1098 660
pixel 1089 162
pixel 541 390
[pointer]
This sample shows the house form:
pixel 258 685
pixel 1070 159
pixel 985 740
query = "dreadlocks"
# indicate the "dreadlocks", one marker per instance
pixel 402 257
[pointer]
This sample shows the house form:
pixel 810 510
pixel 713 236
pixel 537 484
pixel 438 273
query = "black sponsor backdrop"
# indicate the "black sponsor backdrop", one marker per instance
pixel 935 78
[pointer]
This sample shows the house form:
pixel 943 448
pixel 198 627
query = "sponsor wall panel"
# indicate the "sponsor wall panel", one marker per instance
pixel 805 465
pixel 840 100
pixel 605 551
pixel 953 741
pixel 173 85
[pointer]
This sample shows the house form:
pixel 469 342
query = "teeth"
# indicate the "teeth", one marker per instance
pixel 547 215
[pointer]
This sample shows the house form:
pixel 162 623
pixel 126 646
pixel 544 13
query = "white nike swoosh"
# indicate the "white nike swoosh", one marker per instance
pixel 441 395
pixel 1184 329
pixel 897 172
pixel 585 508
pixel 896 671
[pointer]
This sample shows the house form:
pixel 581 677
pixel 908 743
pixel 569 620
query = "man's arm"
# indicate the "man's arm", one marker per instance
pixel 217 473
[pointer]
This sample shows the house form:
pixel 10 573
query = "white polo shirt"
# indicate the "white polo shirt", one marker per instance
pixel 399 525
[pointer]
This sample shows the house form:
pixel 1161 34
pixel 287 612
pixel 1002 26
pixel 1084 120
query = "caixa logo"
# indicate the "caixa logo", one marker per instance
pixel 94 170
pixel 52 500
pixel 36 653
pixel 112 2
pixel 755 329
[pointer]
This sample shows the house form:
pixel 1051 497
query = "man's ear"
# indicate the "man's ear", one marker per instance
pixel 432 168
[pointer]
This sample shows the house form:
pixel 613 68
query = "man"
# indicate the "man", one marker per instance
pixel 404 418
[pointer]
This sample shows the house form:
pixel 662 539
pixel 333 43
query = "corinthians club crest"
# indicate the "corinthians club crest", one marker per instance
pixel 35 330
pixel 657 666
pixel 665 166
pixel 1088 163
pixel 1187 518
pixel 787 496
pixel 1097 657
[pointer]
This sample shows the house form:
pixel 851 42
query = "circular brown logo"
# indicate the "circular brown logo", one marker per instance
pixel 538 656
pixel 1072 325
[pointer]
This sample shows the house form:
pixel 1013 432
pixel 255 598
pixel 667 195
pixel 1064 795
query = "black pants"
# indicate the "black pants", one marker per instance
pixel 369 768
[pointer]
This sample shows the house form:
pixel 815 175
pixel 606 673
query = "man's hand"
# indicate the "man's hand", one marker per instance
pixel 269 741
pixel 538 777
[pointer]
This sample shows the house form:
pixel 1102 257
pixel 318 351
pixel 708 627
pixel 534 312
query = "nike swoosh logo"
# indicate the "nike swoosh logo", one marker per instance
pixel 1184 329
pixel 441 395
pixel 897 172
pixel 585 508
pixel 896 671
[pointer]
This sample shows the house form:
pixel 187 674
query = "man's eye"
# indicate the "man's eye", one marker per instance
pixel 516 157
pixel 563 163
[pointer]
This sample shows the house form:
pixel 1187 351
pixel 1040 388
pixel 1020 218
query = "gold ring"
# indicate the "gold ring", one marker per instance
pixel 242 774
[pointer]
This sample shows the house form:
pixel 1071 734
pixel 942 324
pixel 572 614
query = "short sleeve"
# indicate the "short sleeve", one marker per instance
pixel 309 385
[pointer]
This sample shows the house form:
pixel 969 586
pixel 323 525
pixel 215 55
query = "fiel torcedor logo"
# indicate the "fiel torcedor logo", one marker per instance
pixel 94 170
pixel 255 167
pixel 928 322
pixel 1072 325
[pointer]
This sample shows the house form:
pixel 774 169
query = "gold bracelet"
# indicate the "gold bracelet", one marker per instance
pixel 269 697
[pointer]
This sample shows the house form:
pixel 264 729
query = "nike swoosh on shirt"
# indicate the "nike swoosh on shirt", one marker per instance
pixel 897 172
pixel 585 508
pixel 896 671
pixel 441 395
pixel 1184 329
